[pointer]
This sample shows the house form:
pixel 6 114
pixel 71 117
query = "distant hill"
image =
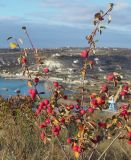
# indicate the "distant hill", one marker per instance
pixel 111 59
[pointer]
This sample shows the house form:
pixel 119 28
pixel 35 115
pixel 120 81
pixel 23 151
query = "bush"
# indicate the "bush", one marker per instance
pixel 78 130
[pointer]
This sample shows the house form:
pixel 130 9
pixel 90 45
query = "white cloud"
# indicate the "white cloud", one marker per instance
pixel 121 5
pixel 77 13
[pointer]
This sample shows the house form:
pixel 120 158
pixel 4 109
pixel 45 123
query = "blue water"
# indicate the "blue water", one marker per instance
pixel 8 87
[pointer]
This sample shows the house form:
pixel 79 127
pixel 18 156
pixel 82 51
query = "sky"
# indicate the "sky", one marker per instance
pixel 62 23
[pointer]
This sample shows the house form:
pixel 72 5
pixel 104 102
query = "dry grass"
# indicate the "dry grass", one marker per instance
pixel 20 140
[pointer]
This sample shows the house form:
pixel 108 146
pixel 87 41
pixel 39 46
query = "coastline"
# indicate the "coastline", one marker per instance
pixel 89 81
pixel 51 79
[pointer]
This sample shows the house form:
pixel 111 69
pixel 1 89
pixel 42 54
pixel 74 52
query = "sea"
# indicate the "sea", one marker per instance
pixel 9 87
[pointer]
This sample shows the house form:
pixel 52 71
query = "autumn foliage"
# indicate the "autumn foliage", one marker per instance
pixel 81 125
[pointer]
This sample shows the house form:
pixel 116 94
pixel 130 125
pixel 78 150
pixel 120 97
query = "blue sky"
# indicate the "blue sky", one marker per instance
pixel 58 23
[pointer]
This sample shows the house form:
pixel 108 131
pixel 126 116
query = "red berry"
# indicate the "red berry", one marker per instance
pixel 100 101
pixel 94 103
pixel 78 100
pixel 129 134
pixel 47 121
pixel 32 93
pixel 90 110
pixel 65 97
pixel 123 93
pixel 102 124
pixel 46 70
pixel 71 106
pixel 42 135
pixel 46 101
pixel 77 107
pixel 91 62
pixel 41 105
pixel 124 113
pixel 124 107
pixel 68 108
pixel 110 77
pixel 55 131
pixel 76 148
pixel 82 112
pixel 58 127
pixel 56 84
pixel 50 110
pixel 43 125
pixel 103 102
pixel 38 112
pixel 36 80
pixel 93 95
pixel 69 140
pixel 24 60
pixel 104 88
pixel 84 53
pixel 129 141
pixel 62 120
pixel 44 107
pixel 125 88
pixel 79 149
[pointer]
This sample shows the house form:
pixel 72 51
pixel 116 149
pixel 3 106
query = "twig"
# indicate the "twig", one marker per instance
pixel 32 45
pixel 105 156
pixel 124 151
pixel 63 149
pixel 109 146
pixel 91 155
pixel 92 152
pixel 90 48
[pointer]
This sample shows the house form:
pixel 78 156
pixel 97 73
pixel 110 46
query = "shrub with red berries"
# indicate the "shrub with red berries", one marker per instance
pixel 79 119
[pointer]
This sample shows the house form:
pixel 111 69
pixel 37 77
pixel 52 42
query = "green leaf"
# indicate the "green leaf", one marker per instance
pixel 9 38
pixel 102 12
pixel 111 5
pixel 102 27
pixel 24 27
